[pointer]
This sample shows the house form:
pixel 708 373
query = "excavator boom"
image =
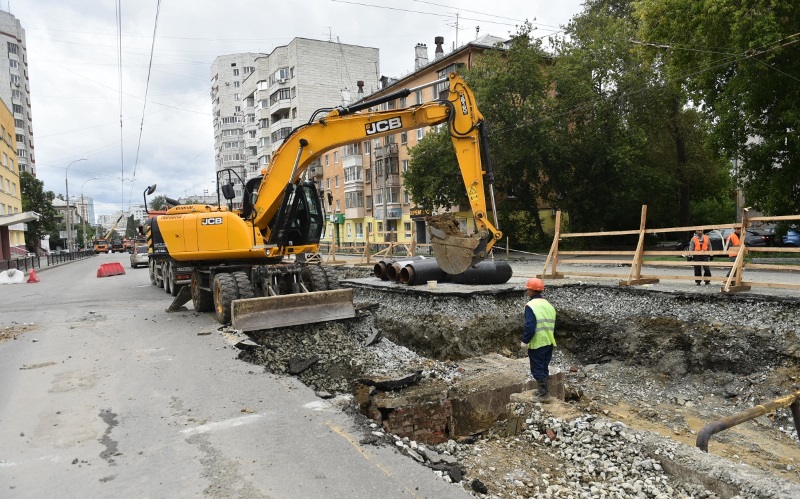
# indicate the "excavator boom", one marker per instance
pixel 454 252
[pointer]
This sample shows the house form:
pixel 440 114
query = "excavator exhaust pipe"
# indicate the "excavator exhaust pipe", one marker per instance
pixel 270 312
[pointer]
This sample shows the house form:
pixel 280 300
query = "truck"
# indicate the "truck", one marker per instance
pixel 102 244
pixel 251 265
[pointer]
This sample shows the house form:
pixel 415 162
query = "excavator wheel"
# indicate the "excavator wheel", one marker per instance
pixel 151 265
pixel 224 292
pixel 333 279
pixel 244 288
pixel 201 299
pixel 165 277
pixel 314 278
pixel 173 288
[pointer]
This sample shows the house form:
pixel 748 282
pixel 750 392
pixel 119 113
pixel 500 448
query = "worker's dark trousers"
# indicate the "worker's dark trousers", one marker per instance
pixel 703 270
pixel 540 361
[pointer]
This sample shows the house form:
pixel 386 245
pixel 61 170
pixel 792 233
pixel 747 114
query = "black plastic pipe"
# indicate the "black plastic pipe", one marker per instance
pixel 393 269
pixel 484 272
pixel 380 268
pixel 421 272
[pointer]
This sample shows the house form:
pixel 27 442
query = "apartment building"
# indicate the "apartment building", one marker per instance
pixel 12 221
pixel 363 182
pixel 278 92
pixel 15 88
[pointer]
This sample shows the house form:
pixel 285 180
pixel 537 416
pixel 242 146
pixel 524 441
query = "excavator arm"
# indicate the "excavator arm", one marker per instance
pixel 454 252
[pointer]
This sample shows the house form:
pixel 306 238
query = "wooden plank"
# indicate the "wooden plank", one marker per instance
pixel 772 249
pixel 594 262
pixel 609 233
pixel 772 219
pixel 771 266
pixel 684 263
pixel 735 289
pixel 557 275
pixel 591 274
pixel 621 253
pixel 638 282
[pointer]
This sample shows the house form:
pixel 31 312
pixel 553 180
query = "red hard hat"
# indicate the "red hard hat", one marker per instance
pixel 535 284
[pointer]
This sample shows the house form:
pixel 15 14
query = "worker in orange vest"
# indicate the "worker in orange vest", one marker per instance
pixel 733 246
pixel 700 243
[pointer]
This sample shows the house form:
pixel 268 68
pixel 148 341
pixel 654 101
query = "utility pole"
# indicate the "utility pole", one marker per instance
pixel 68 214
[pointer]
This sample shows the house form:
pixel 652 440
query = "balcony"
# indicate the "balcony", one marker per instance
pixel 354 213
pixel 280 105
pixel 393 211
pixel 353 160
pixel 389 150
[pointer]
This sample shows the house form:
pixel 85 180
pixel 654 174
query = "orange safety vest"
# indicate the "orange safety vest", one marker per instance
pixel 733 242
pixel 700 246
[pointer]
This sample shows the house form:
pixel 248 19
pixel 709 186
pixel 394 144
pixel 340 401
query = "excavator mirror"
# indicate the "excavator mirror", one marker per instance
pixel 228 192
pixel 151 189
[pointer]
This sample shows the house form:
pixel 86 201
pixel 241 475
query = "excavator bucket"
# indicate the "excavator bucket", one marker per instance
pixel 252 314
pixel 454 252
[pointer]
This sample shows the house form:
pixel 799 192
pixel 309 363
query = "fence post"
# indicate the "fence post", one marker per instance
pixel 738 263
pixel 552 257
pixel 635 275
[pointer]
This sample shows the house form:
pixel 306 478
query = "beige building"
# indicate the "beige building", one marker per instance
pixel 363 183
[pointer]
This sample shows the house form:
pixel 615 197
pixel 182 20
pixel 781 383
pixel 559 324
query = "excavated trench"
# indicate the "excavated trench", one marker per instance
pixel 434 365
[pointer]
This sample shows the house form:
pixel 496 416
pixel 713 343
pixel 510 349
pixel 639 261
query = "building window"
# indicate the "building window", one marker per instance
pixel 327 163
pixel 359 229
pixel 335 158
pixel 13 48
pixel 336 181
pixel 349 230
pixel 237 97
pixel 366 147
pixel 338 207
pixel 12 63
pixel 15 79
pixel 407 228
pixel 236 84
pixel 329 183
pixel 418 95
pixel 405 165
pixel 235 72
pixel 406 197
pixel 420 133
pixel 404 137
pixel 403 102
pixel 237 109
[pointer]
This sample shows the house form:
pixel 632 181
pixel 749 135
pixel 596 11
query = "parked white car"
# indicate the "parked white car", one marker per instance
pixel 140 256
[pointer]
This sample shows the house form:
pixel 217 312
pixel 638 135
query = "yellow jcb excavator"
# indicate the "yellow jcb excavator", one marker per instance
pixel 237 255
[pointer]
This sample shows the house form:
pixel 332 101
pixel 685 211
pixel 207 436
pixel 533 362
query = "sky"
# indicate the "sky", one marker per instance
pixel 146 122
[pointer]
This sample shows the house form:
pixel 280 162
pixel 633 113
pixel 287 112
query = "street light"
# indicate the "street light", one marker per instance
pixel 69 219
pixel 83 207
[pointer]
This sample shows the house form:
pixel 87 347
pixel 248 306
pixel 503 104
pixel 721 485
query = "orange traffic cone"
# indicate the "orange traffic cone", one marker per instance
pixel 33 277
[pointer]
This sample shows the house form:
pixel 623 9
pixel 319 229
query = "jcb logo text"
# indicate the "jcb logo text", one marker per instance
pixel 211 221
pixel 383 125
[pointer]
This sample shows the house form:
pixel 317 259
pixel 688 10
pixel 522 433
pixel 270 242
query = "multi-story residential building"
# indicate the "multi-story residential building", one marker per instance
pixel 279 92
pixel 15 89
pixel 227 74
pixel 12 220
pixel 363 182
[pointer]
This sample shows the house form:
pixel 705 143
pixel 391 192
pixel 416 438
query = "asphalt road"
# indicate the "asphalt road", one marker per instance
pixel 107 395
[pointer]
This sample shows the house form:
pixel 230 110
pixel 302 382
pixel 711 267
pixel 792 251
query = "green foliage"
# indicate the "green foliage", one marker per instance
pixel 739 59
pixel 433 177
pixel 158 203
pixel 35 198
pixel 626 136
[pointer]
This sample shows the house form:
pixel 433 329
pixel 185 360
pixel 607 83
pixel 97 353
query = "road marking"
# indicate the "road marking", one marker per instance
pixel 55 459
pixel 223 425
pixel 366 456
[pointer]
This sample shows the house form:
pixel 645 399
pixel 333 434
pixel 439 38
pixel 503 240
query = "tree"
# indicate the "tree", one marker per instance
pixel 512 88
pixel 738 60
pixel 626 135
pixel 35 198
pixel 433 178
pixel 158 203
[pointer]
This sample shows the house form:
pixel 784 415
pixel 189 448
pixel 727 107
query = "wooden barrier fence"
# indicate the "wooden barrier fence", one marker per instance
pixel 636 258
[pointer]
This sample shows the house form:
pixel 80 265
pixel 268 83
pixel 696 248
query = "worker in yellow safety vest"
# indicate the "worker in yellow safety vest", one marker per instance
pixel 733 246
pixel 700 243
pixel 538 336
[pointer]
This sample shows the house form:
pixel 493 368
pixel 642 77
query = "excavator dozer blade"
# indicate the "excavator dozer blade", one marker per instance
pixel 252 314
pixel 456 254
